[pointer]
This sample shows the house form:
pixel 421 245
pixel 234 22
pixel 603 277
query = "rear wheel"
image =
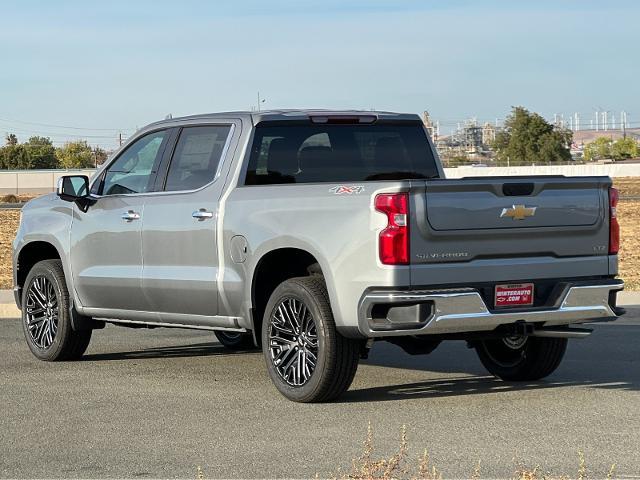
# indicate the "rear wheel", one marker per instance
pixel 235 340
pixel 521 358
pixel 307 359
pixel 46 318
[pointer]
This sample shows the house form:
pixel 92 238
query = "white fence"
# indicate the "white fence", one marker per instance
pixel 34 181
pixel 609 169
pixel 44 181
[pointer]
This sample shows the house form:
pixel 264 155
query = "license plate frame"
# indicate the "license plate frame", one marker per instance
pixel 510 295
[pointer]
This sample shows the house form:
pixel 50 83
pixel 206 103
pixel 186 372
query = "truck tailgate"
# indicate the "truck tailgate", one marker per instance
pixel 501 218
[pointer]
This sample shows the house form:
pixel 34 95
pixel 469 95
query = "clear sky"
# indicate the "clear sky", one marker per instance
pixel 122 64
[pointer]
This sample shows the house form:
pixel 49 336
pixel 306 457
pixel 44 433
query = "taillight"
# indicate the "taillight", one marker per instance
pixel 614 226
pixel 393 244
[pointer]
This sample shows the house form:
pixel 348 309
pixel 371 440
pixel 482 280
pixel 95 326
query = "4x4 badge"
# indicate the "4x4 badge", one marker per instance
pixel 518 212
pixel 347 189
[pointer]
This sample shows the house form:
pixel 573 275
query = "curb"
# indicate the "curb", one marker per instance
pixel 9 310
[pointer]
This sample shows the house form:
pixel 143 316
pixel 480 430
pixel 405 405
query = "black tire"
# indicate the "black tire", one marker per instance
pixel 513 359
pixel 235 340
pixel 336 356
pixel 64 343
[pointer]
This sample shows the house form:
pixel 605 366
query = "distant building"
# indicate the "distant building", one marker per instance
pixel 488 134
pixel 432 128
pixel 468 144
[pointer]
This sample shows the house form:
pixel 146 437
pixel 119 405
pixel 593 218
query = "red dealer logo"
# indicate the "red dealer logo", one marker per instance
pixel 514 295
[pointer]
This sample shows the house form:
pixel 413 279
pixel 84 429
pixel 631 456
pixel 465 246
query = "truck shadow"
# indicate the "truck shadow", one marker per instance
pixel 194 350
pixel 447 387
pixel 609 359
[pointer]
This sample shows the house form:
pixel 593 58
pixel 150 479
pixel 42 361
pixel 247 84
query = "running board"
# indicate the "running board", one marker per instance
pixel 142 323
pixel 561 332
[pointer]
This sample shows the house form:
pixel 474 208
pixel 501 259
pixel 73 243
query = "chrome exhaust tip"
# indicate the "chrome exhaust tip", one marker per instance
pixel 562 332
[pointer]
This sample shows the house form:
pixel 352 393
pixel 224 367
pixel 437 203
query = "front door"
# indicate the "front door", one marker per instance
pixel 180 256
pixel 106 241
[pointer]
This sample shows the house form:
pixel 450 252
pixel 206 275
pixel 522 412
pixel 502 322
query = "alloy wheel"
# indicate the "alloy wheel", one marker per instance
pixel 293 341
pixel 42 312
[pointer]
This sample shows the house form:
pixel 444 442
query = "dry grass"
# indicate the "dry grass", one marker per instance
pixel 628 213
pixel 399 466
pixel 11 198
pixel 628 186
pixel 629 218
pixel 9 220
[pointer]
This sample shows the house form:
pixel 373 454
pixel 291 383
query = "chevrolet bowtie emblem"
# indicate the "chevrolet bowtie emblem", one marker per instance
pixel 518 212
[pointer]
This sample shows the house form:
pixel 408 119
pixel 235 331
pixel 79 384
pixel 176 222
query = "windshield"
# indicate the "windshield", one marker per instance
pixel 284 153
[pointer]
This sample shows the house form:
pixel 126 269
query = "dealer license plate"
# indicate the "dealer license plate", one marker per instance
pixel 514 294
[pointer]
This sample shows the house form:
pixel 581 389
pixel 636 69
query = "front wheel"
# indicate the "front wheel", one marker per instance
pixel 46 317
pixel 307 359
pixel 521 358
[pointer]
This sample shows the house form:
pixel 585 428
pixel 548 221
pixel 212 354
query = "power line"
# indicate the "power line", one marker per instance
pixel 61 126
pixel 26 130
pixel 52 134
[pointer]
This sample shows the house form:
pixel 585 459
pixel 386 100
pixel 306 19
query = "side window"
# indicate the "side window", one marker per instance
pixel 196 157
pixel 132 171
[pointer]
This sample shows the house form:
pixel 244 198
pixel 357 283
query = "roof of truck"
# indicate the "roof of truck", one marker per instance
pixel 292 114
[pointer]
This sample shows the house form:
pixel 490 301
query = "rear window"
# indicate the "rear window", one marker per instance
pixel 339 153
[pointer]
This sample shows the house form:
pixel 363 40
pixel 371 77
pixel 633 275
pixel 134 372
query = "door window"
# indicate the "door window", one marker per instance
pixel 196 158
pixel 133 170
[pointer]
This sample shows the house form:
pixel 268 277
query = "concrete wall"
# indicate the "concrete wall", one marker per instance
pixel 34 181
pixel 609 169
pixel 44 181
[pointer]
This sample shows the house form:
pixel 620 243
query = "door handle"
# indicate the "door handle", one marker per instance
pixel 202 214
pixel 130 216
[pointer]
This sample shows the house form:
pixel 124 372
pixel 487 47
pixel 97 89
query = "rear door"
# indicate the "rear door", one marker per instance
pixel 179 233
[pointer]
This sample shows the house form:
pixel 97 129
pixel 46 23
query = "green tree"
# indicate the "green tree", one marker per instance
pixel 11 139
pixel 14 157
pixel 528 139
pixel 599 149
pixel 42 153
pixel 76 155
pixel 624 148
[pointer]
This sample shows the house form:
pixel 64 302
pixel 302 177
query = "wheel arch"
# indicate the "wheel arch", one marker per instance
pixel 30 254
pixel 273 268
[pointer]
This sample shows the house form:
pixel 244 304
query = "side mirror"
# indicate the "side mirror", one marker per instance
pixel 72 188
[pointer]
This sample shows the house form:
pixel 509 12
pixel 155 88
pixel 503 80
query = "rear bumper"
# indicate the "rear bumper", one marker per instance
pixel 453 311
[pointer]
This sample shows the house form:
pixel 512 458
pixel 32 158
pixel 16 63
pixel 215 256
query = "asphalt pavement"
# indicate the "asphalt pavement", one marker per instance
pixel 160 403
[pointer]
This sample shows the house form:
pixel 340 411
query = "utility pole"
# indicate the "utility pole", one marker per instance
pixel 120 138
pixel 259 101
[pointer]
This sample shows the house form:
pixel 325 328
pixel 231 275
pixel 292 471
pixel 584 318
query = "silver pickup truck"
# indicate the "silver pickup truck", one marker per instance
pixel 311 234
